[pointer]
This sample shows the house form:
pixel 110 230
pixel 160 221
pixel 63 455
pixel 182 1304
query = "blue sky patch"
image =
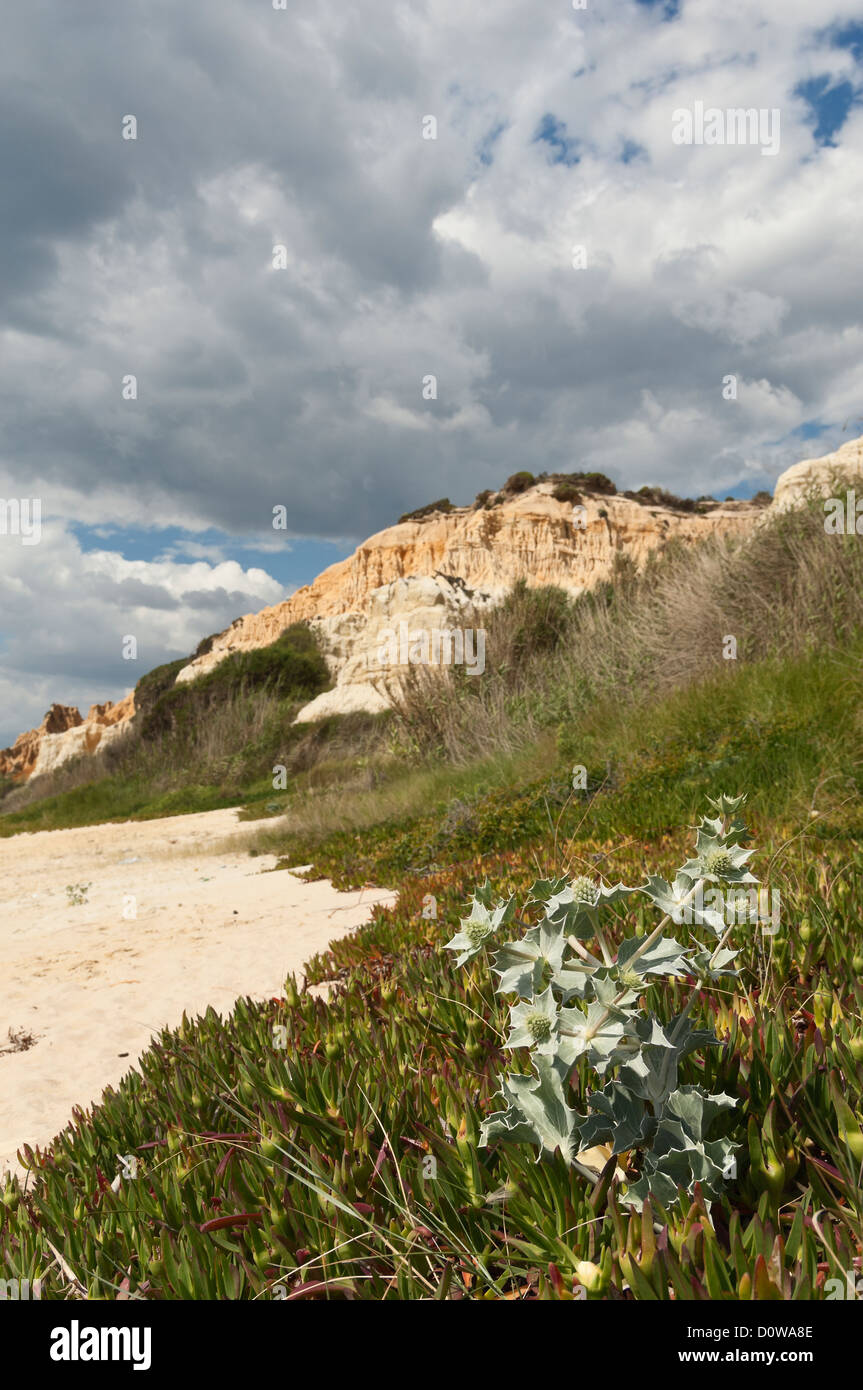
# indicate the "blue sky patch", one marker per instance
pixel 292 562
pixel 850 37
pixel 743 491
pixel 810 429
pixel 552 132
pixel 486 148
pixel 670 8
pixel 631 151
pixel 830 105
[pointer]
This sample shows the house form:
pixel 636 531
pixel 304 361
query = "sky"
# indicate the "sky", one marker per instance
pixel 324 206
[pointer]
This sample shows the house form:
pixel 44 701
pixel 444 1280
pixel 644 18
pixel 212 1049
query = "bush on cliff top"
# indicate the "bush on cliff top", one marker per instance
pixel 590 482
pixel 443 504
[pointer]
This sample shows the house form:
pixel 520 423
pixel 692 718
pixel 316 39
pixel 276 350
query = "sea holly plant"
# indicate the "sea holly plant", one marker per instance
pixel 577 997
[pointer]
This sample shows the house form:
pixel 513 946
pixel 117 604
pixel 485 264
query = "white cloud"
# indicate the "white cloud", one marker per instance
pixel 67 611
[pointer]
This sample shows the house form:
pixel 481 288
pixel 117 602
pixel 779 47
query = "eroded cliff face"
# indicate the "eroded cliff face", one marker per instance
pixel 420 617
pixel 18 761
pixel 63 734
pixel 436 575
pixel 530 536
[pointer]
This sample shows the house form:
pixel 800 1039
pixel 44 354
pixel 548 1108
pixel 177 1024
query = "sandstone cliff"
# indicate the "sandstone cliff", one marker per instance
pixel 432 574
pixel 62 735
pixel 425 573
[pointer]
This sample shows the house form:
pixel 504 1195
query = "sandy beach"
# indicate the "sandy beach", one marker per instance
pixel 108 933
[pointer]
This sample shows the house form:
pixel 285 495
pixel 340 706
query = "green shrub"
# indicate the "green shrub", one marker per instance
pixel 589 482
pixel 528 622
pixel 155 683
pixel 292 666
pixel 785 586
pixel 518 482
pixel 206 644
pixel 443 504
pixel 658 497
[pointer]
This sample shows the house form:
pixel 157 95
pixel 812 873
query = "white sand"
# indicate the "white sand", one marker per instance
pixel 93 987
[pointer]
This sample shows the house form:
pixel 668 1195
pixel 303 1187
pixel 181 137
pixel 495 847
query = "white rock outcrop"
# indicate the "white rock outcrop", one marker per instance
pixel 369 651
pixel 819 477
pixel 56 749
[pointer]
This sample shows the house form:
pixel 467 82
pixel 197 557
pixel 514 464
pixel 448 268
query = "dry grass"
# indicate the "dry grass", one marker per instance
pixel 787 589
pixel 353 806
pixel 208 750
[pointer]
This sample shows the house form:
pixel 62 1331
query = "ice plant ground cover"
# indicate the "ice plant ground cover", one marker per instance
pixel 307 1150
pixel 575 1002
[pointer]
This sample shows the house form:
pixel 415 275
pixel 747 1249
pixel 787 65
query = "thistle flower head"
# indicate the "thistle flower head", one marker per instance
pixel 476 933
pixel 584 890
pixel 538 1025
pixel 718 862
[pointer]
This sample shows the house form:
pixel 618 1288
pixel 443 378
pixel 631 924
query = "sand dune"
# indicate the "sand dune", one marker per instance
pixel 92 982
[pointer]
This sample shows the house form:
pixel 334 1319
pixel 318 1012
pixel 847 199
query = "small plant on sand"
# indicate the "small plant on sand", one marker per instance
pixel 575 1002
pixel 76 893
pixel 19 1040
